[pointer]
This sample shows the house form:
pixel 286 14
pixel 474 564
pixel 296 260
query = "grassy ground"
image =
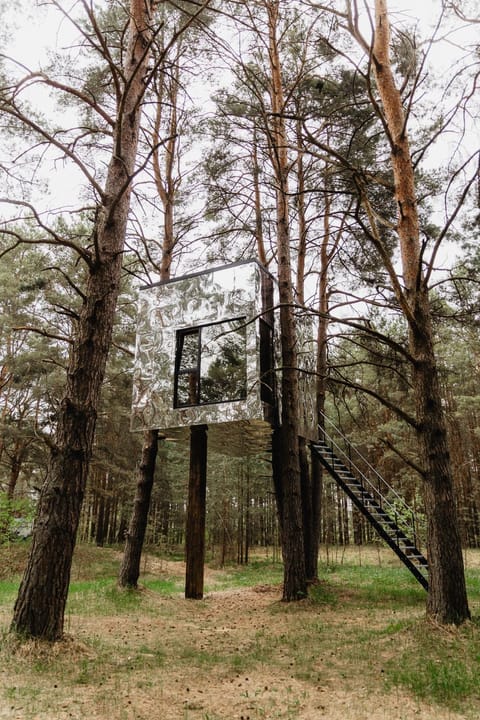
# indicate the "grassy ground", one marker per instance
pixel 358 648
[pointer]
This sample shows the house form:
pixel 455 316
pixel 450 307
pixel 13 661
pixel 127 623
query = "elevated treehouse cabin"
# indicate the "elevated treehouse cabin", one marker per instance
pixel 207 358
pixel 206 355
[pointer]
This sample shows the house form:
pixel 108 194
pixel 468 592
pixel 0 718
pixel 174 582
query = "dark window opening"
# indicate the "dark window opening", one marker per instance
pixel 211 364
pixel 187 368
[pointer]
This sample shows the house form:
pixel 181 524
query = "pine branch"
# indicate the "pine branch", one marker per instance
pixel 44 333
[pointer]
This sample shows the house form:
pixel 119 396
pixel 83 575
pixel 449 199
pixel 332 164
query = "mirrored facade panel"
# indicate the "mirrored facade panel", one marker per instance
pixel 189 348
pixel 207 351
pixel 187 367
pixel 198 349
pixel 236 439
pixel 223 362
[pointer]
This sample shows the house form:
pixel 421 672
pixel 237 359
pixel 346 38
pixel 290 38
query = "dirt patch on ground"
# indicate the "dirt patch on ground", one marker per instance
pixel 143 680
pixel 236 655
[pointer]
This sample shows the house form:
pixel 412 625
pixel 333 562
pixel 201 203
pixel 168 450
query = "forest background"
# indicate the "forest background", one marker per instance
pixel 204 188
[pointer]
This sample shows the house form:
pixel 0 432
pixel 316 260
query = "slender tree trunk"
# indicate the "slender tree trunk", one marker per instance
pixel 248 531
pixel 100 521
pixel 328 248
pixel 310 541
pixel 130 568
pixel 167 97
pixel 288 484
pixel 309 473
pixel 195 532
pixel 135 537
pixel 15 468
pixel 262 256
pixel 302 220
pixel 447 597
pixel 40 606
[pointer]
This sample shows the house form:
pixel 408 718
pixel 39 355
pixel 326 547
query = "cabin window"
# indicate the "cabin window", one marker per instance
pixel 211 364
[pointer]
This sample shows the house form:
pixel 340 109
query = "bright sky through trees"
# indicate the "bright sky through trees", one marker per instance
pixel 37 30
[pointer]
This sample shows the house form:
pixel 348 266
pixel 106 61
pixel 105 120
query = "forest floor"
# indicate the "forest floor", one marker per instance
pixel 359 647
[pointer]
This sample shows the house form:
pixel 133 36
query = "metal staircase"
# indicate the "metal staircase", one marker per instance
pixel 383 507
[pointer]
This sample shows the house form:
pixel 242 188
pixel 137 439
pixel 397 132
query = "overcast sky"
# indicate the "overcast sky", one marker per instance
pixel 35 32
pixel 38 30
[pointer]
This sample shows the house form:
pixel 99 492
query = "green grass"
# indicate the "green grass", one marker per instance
pixel 472 578
pixel 361 621
pixel 164 586
pixel 8 591
pixel 105 597
pixel 439 664
pixel 376 584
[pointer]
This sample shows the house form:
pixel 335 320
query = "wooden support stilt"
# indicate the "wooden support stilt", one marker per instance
pixel 196 511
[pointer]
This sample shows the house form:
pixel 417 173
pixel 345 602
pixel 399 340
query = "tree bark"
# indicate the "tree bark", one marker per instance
pixel 18 456
pixel 310 526
pixel 130 568
pixel 40 606
pixel 195 531
pixel 309 474
pixel 260 242
pixel 166 186
pixel 288 483
pixel 447 598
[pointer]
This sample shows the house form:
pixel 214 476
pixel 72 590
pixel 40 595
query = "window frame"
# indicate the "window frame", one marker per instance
pixel 194 371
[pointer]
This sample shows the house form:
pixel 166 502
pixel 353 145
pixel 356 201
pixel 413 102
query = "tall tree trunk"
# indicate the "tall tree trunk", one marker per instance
pixel 262 255
pixel 310 539
pixel 287 485
pixel 167 97
pixel 100 521
pixel 328 249
pixel 40 606
pixel 310 474
pixel 130 568
pixel 447 598
pixel 302 219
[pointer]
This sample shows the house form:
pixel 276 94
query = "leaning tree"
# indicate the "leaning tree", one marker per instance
pixel 124 67
pixel 165 133
pixel 409 281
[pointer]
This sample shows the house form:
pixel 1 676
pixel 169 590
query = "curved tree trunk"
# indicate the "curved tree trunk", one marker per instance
pixel 166 185
pixel 40 606
pixel 447 598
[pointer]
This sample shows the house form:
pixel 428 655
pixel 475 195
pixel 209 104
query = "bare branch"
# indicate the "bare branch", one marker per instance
pixel 53 238
pixel 44 333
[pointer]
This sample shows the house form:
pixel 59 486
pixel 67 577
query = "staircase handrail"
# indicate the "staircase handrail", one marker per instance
pixel 381 480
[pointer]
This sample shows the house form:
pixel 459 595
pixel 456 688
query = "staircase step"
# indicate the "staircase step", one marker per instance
pixel 372 508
